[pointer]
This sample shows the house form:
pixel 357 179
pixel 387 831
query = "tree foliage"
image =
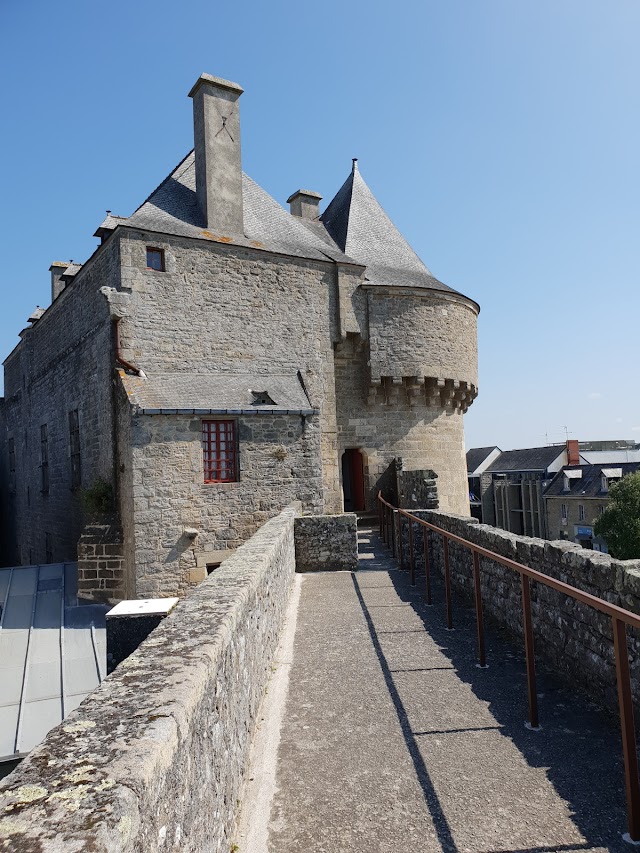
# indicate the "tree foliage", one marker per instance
pixel 619 524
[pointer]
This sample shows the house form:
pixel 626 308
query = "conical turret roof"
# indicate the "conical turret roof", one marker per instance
pixel 362 230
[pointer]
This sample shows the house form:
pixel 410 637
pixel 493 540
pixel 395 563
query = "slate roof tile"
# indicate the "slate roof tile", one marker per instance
pixel 477 455
pixel 529 459
pixel 589 485
pixel 205 392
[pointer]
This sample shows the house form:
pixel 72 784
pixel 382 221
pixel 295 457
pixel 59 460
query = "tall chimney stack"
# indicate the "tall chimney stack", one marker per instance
pixel 216 130
pixel 56 269
pixel 573 451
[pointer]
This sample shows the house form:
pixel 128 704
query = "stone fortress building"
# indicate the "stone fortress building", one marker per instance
pixel 218 357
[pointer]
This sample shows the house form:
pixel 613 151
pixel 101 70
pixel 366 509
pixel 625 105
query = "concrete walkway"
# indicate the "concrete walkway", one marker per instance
pixel 389 738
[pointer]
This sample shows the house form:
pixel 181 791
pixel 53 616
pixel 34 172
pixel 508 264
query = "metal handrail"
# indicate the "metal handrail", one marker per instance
pixel 387 514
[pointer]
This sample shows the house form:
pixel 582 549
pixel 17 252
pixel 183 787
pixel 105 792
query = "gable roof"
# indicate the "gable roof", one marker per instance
pixel 477 455
pixel 529 459
pixel 588 483
pixel 361 229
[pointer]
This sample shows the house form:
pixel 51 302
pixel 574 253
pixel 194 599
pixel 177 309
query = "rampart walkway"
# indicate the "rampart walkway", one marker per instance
pixel 392 739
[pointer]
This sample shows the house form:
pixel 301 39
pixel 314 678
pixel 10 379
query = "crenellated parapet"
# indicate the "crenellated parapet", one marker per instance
pixel 416 390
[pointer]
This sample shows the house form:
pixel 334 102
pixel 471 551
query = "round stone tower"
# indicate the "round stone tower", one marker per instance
pixel 405 360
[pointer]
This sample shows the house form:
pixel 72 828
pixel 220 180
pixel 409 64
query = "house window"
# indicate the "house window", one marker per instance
pixel 219 451
pixel 600 509
pixel 12 464
pixel 580 512
pixel 44 459
pixel 563 512
pixel 48 548
pixel 74 448
pixel 155 259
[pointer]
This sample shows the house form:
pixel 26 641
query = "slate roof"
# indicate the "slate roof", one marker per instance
pixel 587 486
pixel 529 459
pixel 362 230
pixel 173 209
pixel 52 652
pixel 354 228
pixel 208 393
pixel 71 270
pixel 477 455
pixel 109 223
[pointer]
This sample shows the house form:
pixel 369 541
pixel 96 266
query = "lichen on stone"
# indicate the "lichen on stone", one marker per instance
pixel 80 726
pixel 30 793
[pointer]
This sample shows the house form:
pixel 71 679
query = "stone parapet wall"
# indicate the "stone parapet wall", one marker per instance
pixel 422 335
pixel 572 638
pixel 327 543
pixel 154 759
pixel 417 489
pixel 101 562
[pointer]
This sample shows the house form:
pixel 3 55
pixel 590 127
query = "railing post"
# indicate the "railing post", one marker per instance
pixel 482 659
pixel 630 755
pixel 427 567
pixel 447 582
pixel 393 533
pixel 527 627
pixel 400 542
pixel 412 563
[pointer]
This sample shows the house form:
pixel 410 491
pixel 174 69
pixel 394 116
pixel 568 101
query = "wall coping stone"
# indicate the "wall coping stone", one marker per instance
pixel 119 774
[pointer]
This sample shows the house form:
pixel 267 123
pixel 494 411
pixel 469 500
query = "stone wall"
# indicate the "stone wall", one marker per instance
pixel 423 334
pixel 225 308
pixel 592 508
pixel 327 543
pixel 154 758
pixel 63 363
pixel 101 562
pixel 570 637
pixel 389 420
pixel 417 489
pixel 279 462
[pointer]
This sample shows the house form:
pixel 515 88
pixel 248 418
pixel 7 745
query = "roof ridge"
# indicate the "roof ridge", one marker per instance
pixel 162 183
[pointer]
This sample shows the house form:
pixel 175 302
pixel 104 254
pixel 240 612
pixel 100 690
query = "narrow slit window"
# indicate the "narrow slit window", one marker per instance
pixel 219 451
pixel 74 448
pixel 44 459
pixel 155 259
pixel 12 464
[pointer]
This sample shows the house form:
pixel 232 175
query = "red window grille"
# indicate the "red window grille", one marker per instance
pixel 219 451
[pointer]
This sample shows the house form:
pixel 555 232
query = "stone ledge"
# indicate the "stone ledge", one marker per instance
pixel 155 757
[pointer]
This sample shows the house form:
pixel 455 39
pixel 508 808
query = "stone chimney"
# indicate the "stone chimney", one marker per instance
pixel 216 130
pixel 573 451
pixel 305 204
pixel 57 269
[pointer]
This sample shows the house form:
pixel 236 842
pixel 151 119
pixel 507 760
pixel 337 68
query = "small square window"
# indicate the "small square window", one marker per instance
pixel 155 259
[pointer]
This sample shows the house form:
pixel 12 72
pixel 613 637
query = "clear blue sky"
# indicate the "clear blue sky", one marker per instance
pixel 501 136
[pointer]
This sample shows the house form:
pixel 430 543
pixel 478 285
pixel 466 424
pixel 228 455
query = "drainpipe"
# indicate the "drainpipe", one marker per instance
pixel 126 364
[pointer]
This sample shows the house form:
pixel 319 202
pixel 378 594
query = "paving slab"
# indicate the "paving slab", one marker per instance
pixel 392 738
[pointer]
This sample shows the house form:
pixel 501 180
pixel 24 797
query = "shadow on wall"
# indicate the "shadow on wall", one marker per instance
pixel 579 745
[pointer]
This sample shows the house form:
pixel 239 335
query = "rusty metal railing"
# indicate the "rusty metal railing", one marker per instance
pixel 390 520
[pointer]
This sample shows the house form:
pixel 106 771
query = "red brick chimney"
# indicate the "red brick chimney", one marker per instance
pixel 573 451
